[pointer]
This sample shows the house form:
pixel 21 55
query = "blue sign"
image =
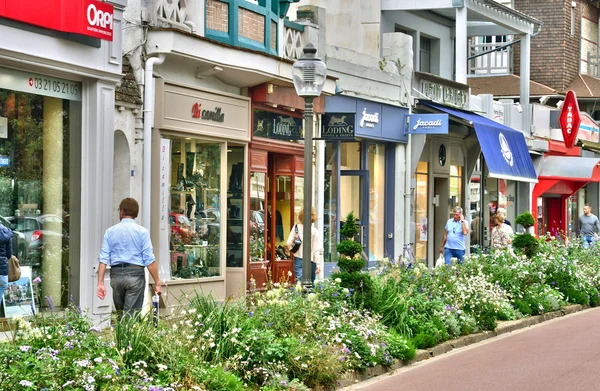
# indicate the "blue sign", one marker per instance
pixel 428 124
pixel 4 161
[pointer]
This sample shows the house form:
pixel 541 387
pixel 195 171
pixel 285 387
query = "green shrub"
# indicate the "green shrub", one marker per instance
pixel 216 379
pixel 526 220
pixel 351 265
pixel 526 244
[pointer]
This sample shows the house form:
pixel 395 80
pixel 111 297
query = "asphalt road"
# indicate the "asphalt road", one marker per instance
pixel 561 354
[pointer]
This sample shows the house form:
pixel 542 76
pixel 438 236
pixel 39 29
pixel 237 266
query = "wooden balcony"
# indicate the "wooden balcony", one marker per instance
pixel 496 61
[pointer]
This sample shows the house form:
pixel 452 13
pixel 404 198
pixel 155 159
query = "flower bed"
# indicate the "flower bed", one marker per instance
pixel 286 340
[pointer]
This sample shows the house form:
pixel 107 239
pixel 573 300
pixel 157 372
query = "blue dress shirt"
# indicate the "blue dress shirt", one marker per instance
pixel 127 242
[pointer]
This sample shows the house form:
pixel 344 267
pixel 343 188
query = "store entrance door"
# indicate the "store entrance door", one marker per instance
pixel 554 215
pixel 441 190
pixel 354 195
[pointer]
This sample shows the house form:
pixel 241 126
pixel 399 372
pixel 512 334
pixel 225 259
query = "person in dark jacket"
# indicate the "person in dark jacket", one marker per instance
pixel 5 254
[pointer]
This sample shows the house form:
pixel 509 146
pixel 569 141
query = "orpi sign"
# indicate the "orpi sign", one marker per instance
pixel 569 119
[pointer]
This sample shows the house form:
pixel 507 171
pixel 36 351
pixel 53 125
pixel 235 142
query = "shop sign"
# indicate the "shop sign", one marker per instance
pixel 588 129
pixel 428 124
pixel 368 119
pixel 338 126
pixel 277 126
pixel 570 119
pixel 208 115
pixel 498 112
pixel 34 83
pixel 4 161
pixel 91 18
pixel 444 94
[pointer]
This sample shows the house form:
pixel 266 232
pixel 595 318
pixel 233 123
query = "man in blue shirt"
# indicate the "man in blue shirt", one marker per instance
pixel 128 250
pixel 453 243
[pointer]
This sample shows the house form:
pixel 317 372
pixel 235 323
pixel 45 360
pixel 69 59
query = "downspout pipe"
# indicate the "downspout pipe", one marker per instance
pixel 148 124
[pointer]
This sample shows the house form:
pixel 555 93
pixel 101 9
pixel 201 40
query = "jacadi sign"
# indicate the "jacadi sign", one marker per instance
pixel 428 124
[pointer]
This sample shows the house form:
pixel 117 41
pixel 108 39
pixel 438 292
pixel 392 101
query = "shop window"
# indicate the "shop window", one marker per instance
pixel 235 207
pixel 258 182
pixel 35 192
pixel 421 211
pixel 376 164
pixel 350 156
pixel 455 188
pixel 195 209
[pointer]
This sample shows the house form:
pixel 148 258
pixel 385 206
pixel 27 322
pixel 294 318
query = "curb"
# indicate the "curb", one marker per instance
pixel 349 380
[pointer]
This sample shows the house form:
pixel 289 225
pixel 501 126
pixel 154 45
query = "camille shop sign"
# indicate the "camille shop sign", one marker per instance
pixel 338 126
pixel 428 124
pixel 277 126
pixel 440 90
pixel 91 18
pixel 209 115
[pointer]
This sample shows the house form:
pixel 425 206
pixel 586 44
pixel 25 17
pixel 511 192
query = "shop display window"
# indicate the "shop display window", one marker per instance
pixel 421 211
pixel 258 182
pixel 195 209
pixel 376 166
pixel 235 207
pixel 36 134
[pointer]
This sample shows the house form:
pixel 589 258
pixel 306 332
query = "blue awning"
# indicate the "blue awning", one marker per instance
pixel 505 150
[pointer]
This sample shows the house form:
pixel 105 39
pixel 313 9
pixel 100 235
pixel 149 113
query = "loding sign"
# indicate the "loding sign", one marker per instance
pixel 91 18
pixel 277 126
pixel 338 126
pixel 428 124
pixel 569 119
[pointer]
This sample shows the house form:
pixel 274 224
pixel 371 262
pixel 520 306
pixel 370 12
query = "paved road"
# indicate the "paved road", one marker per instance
pixel 562 354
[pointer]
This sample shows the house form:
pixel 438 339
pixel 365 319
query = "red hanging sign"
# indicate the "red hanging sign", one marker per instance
pixel 86 17
pixel 570 119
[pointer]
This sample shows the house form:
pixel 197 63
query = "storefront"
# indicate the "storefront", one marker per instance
pixel 200 211
pixel 276 184
pixel 57 94
pixel 481 165
pixel 360 162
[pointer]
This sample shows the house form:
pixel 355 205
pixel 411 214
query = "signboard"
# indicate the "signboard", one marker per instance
pixel 277 126
pixel 4 161
pixel 498 112
pixel 210 115
pixel 428 124
pixel 440 90
pixel 588 129
pixel 91 18
pixel 570 119
pixel 34 83
pixel 337 126
pixel 18 297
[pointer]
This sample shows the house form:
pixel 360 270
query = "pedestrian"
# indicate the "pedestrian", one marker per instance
pixel 316 247
pixel 453 242
pixel 128 250
pixel 503 211
pixel 5 254
pixel 502 233
pixel 589 226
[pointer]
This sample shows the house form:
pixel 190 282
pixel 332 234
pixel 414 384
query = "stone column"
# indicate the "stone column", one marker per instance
pixel 52 185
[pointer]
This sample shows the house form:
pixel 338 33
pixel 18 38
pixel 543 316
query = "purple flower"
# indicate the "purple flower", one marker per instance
pixel 50 302
pixel 553 283
pixel 412 308
pixel 37 280
pixel 250 314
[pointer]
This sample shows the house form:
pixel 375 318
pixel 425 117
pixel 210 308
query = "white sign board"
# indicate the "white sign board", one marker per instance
pixel 164 269
pixel 34 83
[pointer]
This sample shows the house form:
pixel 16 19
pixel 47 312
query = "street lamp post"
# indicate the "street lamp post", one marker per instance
pixel 309 74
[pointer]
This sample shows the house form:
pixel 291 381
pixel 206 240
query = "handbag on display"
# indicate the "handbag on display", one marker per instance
pixel 14 269
pixel 297 241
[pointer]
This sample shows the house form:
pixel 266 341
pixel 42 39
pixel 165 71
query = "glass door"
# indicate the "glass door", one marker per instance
pixel 354 196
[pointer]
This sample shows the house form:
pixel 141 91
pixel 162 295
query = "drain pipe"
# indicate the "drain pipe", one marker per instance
pixel 148 124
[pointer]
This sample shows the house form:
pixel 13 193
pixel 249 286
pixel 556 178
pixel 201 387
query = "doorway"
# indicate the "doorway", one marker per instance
pixel 354 185
pixel 442 209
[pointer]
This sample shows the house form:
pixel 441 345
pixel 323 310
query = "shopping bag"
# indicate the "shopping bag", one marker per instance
pixel 440 261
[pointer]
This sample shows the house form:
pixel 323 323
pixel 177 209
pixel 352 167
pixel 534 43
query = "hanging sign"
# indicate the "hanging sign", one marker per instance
pixel 277 126
pixel 569 119
pixel 338 126
pixel 428 124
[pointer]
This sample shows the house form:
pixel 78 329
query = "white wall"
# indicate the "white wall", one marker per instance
pixel 442 52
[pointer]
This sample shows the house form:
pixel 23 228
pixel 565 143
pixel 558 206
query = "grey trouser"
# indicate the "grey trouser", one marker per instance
pixel 129 284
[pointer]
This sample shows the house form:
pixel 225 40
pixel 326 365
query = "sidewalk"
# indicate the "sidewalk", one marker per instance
pixel 350 381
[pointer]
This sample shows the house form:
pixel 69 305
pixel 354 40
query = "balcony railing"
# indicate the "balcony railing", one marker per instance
pixel 497 62
pixel 292 44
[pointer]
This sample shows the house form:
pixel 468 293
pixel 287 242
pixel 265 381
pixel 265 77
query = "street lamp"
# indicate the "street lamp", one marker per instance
pixel 309 74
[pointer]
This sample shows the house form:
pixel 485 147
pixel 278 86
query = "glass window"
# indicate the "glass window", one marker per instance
pixel 425 55
pixel 235 207
pixel 257 216
pixel 376 166
pixel 421 211
pixel 35 138
pixel 350 156
pixel 280 218
pixel 455 188
pixel 195 233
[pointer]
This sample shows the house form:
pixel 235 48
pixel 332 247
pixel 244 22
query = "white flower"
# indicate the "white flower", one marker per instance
pixel 161 367
pixel 338 280
pixel 26 383
pixel 98 359
pixel 24 348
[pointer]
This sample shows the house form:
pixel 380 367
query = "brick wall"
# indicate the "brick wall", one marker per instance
pixel 217 15
pixel 273 35
pixel 251 25
pixel 555 52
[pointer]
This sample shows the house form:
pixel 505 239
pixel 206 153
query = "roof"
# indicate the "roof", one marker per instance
pixel 585 86
pixel 127 89
pixel 506 86
pixel 571 168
